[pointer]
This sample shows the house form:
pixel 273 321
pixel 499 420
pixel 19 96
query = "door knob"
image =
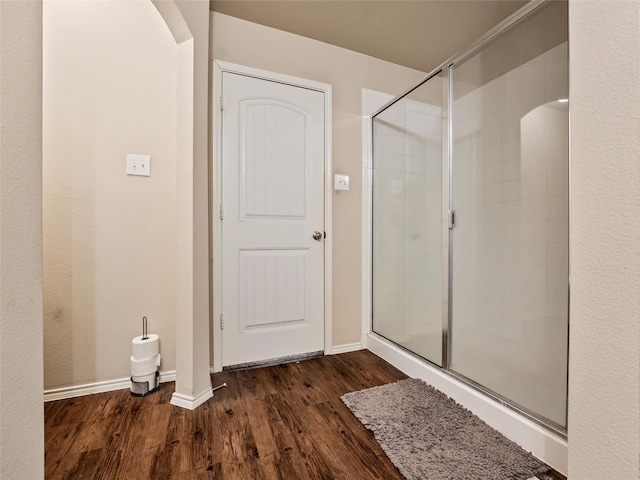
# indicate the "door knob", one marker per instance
pixel 317 235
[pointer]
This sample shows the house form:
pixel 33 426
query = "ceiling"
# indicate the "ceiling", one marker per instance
pixel 420 34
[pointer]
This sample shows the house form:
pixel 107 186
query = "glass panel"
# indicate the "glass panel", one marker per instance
pixel 408 266
pixel 510 192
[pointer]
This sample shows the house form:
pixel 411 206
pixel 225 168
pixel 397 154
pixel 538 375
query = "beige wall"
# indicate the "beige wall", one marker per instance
pixel 110 79
pixel 253 45
pixel 21 412
pixel 604 358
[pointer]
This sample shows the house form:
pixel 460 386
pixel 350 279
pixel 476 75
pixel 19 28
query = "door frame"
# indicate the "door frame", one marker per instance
pixel 215 198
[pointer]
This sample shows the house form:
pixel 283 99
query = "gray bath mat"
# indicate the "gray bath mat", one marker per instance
pixel 428 436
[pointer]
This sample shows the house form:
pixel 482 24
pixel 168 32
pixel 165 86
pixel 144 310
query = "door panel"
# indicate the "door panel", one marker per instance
pixel 272 292
pixel 273 159
pixel 273 201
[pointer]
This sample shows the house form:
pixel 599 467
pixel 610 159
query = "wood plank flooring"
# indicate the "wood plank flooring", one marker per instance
pixel 282 422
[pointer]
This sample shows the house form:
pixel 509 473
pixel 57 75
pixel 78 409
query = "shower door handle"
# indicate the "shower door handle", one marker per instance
pixel 317 235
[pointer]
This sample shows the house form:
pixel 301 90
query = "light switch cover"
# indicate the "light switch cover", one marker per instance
pixel 138 165
pixel 341 182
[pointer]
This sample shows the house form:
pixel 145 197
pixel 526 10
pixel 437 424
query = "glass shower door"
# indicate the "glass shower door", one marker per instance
pixel 509 321
pixel 409 263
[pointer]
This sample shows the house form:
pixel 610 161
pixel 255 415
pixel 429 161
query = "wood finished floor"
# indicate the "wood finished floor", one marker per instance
pixel 282 422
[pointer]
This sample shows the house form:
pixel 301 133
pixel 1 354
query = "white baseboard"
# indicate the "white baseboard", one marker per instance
pixel 98 387
pixel 190 403
pixel 348 347
pixel 544 444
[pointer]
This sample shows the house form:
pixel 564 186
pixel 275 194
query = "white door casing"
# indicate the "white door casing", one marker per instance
pixel 269 273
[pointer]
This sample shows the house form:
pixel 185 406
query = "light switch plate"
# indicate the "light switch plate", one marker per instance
pixel 138 165
pixel 341 182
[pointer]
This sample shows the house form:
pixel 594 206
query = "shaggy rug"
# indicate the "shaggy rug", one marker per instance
pixel 428 436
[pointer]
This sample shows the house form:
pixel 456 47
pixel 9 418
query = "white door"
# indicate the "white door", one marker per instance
pixel 272 204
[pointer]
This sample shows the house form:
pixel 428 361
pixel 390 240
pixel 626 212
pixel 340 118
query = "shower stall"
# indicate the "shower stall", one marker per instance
pixel 470 215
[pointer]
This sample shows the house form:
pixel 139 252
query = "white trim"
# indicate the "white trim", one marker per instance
pixel 328 217
pixel 99 387
pixel 348 347
pixel 544 444
pixel 216 227
pixel 271 76
pixel 191 403
pixel 218 67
